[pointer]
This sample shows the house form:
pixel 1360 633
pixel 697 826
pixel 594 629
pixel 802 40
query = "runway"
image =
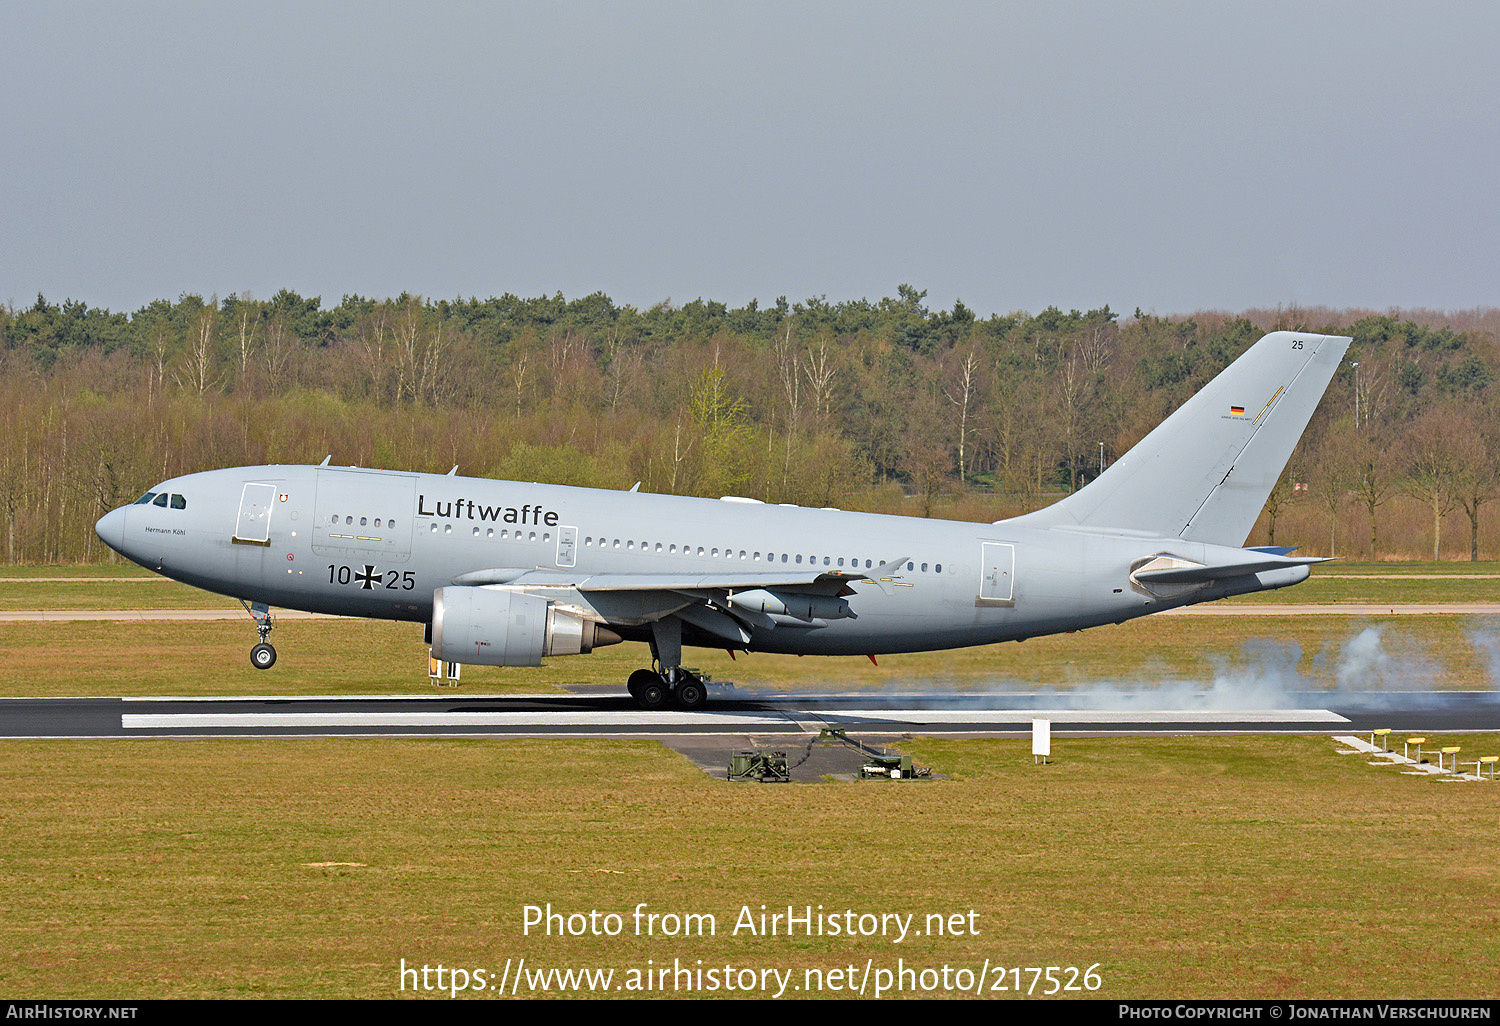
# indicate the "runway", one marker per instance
pixel 612 715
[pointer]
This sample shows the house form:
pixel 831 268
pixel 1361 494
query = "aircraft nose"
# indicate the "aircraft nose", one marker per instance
pixel 111 529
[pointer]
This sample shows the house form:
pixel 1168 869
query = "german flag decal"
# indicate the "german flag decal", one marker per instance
pixel 1238 411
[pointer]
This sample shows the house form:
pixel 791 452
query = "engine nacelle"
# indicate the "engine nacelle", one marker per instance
pixel 492 627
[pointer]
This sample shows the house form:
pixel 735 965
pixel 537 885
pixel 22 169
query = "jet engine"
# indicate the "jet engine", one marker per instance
pixel 492 627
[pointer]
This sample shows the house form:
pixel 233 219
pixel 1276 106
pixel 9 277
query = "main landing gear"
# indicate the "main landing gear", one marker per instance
pixel 262 656
pixel 678 685
pixel 670 682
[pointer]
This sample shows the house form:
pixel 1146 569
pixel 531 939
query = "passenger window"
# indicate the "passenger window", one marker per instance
pixel 178 502
pixel 364 521
pixel 161 500
pixel 924 568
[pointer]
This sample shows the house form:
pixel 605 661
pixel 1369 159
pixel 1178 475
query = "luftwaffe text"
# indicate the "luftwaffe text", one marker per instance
pixel 468 509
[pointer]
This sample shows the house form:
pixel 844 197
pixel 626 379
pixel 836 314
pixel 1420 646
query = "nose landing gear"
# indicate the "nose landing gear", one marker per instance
pixel 263 655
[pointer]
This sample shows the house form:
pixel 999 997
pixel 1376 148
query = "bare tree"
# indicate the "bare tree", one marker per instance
pixel 1433 468
pixel 961 392
pixel 820 371
pixel 1333 465
pixel 1373 478
pixel 1476 478
pixel 277 351
pixel 622 365
pixel 1283 494
pixel 1096 345
pixel 197 372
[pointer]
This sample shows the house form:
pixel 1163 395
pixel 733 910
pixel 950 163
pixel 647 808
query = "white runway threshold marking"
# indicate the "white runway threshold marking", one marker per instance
pixel 736 720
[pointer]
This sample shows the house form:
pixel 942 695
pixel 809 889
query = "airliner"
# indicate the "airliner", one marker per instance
pixel 507 573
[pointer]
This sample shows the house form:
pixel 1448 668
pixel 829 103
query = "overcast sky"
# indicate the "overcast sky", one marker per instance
pixel 1167 156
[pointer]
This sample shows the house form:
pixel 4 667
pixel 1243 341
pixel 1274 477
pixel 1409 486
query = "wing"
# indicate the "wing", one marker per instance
pixel 726 605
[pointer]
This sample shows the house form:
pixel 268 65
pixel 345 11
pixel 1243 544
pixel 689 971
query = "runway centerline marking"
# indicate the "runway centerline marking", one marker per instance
pixel 748 719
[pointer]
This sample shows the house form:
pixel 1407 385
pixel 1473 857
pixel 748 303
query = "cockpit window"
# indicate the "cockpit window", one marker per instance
pixel 178 501
pixel 144 499
pixel 161 500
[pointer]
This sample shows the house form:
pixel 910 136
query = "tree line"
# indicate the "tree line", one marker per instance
pixel 883 405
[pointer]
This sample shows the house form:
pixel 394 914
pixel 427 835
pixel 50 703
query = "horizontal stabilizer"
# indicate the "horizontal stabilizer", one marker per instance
pixel 1171 570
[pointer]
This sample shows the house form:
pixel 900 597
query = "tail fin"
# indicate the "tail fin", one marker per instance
pixel 1205 472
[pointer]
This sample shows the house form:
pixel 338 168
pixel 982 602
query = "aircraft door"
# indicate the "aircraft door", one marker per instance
pixel 997 574
pixel 253 524
pixel 364 515
pixel 567 546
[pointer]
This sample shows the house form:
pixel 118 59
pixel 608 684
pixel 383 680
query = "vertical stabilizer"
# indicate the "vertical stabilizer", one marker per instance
pixel 1205 472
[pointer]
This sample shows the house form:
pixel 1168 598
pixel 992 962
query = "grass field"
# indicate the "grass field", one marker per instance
pixel 1180 867
pixel 359 657
pixel 1238 867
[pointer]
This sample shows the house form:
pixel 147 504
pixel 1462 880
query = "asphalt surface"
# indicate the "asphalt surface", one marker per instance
pixel 607 714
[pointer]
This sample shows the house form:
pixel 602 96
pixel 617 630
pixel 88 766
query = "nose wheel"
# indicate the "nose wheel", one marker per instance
pixel 262 656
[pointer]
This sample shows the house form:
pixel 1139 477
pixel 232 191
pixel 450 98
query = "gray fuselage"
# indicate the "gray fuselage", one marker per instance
pixel 376 543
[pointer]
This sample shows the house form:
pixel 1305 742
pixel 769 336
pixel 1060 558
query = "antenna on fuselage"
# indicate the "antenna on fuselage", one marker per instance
pixel 325 460
pixel 635 487
pixel 453 471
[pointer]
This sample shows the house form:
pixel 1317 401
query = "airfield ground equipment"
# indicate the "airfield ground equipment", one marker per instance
pixel 769 766
pixel 880 762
